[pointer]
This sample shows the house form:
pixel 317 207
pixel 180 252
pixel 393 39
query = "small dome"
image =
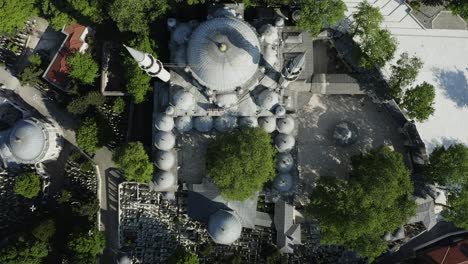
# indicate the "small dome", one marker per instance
pixel 248 121
pixel 124 260
pixel 267 99
pixel 164 122
pixel 203 123
pixel 284 142
pixel 268 123
pixel 226 100
pixel 224 227
pixel 28 141
pixel 183 100
pixel 280 110
pixel 269 34
pixel 170 110
pixel 284 162
pixel 283 182
pixel 285 125
pixel 164 140
pixel 345 133
pixel 225 123
pixel 163 181
pixel 183 123
pixel 164 160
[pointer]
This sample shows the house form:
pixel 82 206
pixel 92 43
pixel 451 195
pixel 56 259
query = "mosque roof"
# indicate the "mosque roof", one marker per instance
pixel 28 141
pixel 164 160
pixel 285 125
pixel 224 227
pixel 225 123
pixel 268 123
pixel 183 100
pixel 163 181
pixel 203 123
pixel 224 53
pixel 284 142
pixel 284 162
pixel 164 140
pixel 164 122
pixel 184 123
pixel 248 121
pixel 283 182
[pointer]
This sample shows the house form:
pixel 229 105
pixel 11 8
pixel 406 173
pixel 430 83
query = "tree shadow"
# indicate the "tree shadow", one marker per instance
pixel 433 2
pixel 454 84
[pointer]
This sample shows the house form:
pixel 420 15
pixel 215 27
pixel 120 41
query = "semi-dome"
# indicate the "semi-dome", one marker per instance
pixel 165 160
pixel 225 123
pixel 285 125
pixel 284 162
pixel 268 123
pixel 267 99
pixel 248 121
pixel 203 123
pixel 283 182
pixel 28 141
pixel 226 100
pixel 164 122
pixel 164 140
pixel 183 123
pixel 163 181
pixel 224 227
pixel 224 53
pixel 345 133
pixel 284 142
pixel 183 100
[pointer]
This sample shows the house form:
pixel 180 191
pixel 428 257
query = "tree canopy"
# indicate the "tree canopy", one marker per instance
pixel 448 166
pixel 459 7
pixel 404 73
pixel 28 185
pixel 81 104
pixel 419 101
pixel 240 163
pixel 119 105
pixel 135 16
pixel 367 19
pixel 138 82
pixel 376 198
pixel 15 13
pixel 457 212
pixel 32 72
pixel 45 230
pixel 87 245
pixel 134 161
pixel 87 135
pixel 316 15
pixel 182 256
pixel 83 67
pixel 24 253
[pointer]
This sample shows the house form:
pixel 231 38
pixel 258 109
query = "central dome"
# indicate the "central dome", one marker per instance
pixel 27 142
pixel 223 53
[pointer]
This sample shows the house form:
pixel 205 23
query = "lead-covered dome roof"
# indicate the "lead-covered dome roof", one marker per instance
pixel 224 227
pixel 224 53
pixel 28 141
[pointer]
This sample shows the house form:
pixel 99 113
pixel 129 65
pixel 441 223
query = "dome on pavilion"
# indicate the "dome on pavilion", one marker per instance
pixel 345 133
pixel 267 99
pixel 283 182
pixel 225 123
pixel 28 141
pixel 226 100
pixel 285 125
pixel 164 160
pixel 183 123
pixel 164 122
pixel 284 162
pixel 284 142
pixel 224 227
pixel 224 53
pixel 163 181
pixel 164 140
pixel 203 123
pixel 248 121
pixel 268 123
pixel 183 100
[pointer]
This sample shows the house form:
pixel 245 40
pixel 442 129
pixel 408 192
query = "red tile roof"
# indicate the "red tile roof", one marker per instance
pixel 452 254
pixel 57 72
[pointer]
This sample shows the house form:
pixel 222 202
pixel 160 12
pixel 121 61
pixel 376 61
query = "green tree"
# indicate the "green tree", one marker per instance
pixel 181 256
pixel 419 101
pixel 404 73
pixel 14 14
pixel 241 162
pixel 316 15
pixel 65 197
pixel 367 19
pixel 456 211
pixel 56 18
pixel 376 198
pixel 32 72
pixel 83 67
pixel 119 105
pixel 138 82
pixel 448 166
pixel 87 135
pixel 134 161
pixel 81 104
pixel 87 208
pixel 24 253
pixel 376 48
pixel 136 15
pixel 28 185
pixel 87 245
pixel 459 7
pixel 45 230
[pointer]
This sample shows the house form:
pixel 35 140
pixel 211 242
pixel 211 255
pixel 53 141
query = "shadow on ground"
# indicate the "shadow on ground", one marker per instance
pixel 454 84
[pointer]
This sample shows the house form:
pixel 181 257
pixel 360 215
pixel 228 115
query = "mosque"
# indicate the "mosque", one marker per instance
pixel 225 73
pixel 25 139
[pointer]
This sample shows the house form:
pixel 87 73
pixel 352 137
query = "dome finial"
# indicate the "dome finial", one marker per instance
pixel 222 47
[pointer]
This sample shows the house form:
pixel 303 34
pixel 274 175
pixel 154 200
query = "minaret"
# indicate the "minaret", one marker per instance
pixel 292 71
pixel 149 64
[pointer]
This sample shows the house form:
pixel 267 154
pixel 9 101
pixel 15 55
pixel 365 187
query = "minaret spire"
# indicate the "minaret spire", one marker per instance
pixel 149 64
